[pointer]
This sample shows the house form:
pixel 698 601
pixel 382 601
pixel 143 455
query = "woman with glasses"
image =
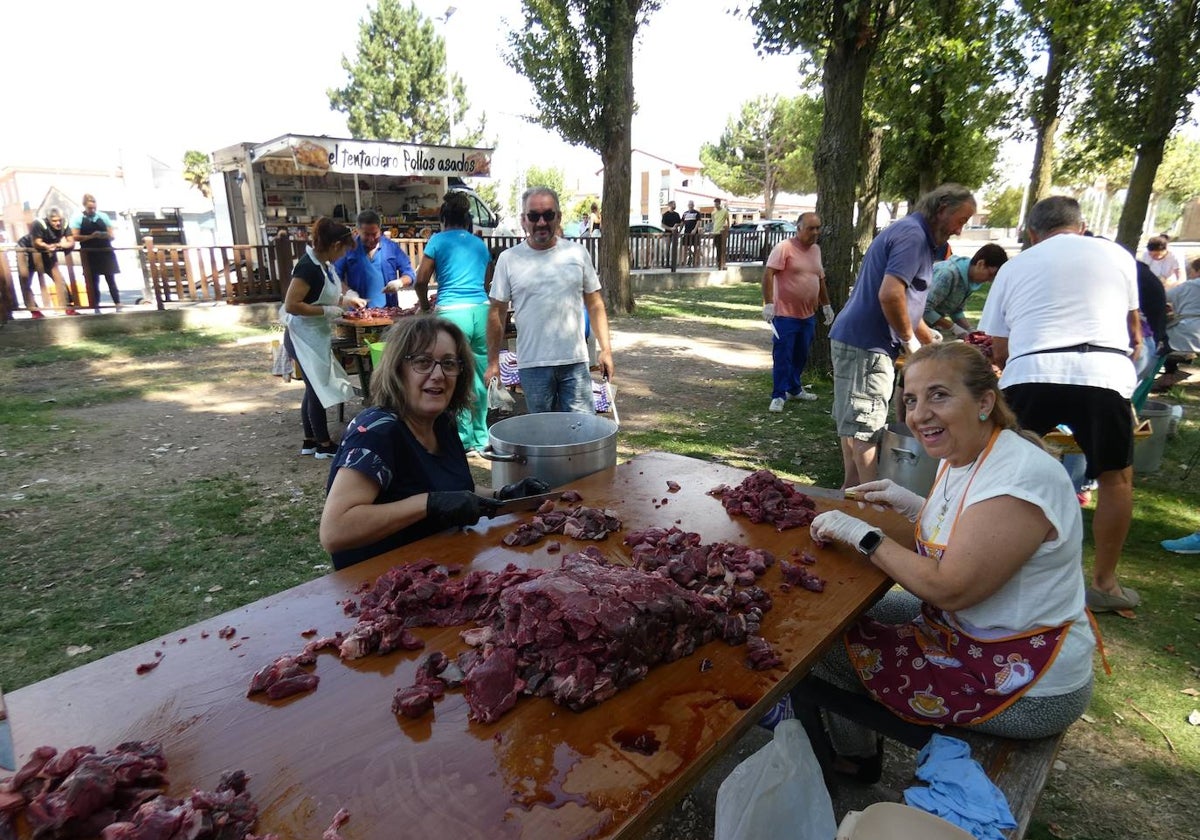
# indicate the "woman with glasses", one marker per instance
pixel 460 259
pixel 314 299
pixel 401 471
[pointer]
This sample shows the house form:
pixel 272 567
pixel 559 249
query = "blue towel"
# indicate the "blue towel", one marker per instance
pixel 959 791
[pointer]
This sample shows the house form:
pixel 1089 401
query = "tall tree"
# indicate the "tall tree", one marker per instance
pixel 397 86
pixel 578 54
pixel 766 149
pixel 197 169
pixel 1138 95
pixel 538 176
pixel 845 35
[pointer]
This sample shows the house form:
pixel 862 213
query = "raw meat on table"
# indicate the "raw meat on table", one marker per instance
pixel 764 497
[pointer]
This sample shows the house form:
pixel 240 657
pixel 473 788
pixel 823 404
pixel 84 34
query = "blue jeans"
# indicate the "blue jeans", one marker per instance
pixel 789 352
pixel 558 388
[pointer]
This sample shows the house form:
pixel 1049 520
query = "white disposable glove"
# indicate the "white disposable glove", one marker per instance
pixel 332 313
pixel 959 331
pixel 835 526
pixel 394 286
pixel 912 344
pixel 768 312
pixel 885 493
pixel 937 337
pixel 827 312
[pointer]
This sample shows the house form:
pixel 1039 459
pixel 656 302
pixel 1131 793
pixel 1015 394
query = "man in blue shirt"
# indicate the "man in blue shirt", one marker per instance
pixel 955 280
pixel 884 316
pixel 377 268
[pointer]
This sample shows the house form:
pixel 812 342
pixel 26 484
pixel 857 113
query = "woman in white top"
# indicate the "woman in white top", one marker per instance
pixel 991 631
pixel 1162 262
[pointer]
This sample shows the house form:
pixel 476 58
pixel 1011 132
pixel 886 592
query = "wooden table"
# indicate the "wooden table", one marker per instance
pixel 540 772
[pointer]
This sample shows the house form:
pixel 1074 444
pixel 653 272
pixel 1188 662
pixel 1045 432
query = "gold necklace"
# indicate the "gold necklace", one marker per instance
pixel 946 497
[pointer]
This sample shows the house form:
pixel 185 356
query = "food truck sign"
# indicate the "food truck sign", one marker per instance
pixel 318 155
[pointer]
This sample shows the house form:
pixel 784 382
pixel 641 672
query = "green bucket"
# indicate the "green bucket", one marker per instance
pixel 376 348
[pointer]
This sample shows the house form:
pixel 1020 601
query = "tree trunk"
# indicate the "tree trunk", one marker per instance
pixel 1046 114
pixel 868 193
pixel 617 107
pixel 835 160
pixel 1137 197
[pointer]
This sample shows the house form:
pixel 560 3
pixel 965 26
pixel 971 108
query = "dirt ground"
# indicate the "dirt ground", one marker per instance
pixel 236 417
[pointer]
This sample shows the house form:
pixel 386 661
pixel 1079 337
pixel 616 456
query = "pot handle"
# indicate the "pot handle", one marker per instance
pixel 493 455
pixel 903 455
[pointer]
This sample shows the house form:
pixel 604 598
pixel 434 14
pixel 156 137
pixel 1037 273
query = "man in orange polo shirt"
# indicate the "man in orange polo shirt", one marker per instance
pixel 793 287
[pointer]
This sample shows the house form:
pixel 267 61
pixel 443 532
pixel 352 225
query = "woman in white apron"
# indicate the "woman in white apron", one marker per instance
pixel 314 299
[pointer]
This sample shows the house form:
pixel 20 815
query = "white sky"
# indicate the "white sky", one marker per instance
pixel 174 76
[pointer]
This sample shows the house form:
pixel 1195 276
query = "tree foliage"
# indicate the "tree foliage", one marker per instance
pixel 197 169
pixel 944 87
pixel 538 176
pixel 398 79
pixel 1004 207
pixel 578 55
pixel 1178 177
pixel 766 149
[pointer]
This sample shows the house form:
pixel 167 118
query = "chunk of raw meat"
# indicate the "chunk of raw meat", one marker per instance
pixel 282 678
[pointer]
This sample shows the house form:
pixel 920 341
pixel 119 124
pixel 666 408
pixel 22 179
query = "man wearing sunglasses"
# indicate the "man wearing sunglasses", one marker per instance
pixel 552 287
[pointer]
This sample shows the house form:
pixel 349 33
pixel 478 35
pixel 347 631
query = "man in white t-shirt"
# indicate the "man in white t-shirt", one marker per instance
pixel 1064 320
pixel 549 282
pixel 793 286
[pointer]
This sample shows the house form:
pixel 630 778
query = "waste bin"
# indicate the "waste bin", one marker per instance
pixel 1148 452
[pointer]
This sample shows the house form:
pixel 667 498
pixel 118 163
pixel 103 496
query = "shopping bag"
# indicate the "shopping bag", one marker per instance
pixel 500 403
pixel 777 792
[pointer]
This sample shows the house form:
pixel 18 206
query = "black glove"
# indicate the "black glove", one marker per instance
pixel 459 508
pixel 525 487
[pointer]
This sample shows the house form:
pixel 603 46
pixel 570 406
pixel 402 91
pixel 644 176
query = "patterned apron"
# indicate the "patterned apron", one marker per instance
pixel 932 671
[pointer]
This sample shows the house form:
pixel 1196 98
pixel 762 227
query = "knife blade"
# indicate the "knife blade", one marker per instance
pixel 524 503
pixel 8 760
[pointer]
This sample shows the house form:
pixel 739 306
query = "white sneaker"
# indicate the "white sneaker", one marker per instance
pixel 802 394
pixel 776 405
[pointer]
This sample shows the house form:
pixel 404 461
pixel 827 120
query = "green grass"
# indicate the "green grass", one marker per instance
pixel 136 345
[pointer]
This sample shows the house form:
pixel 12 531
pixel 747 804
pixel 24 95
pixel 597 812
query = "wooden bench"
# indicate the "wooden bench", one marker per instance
pixel 1019 768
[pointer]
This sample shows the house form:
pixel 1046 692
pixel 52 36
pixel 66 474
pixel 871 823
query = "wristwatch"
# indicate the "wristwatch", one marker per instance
pixel 869 543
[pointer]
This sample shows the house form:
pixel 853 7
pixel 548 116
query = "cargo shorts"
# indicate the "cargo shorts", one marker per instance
pixel 862 388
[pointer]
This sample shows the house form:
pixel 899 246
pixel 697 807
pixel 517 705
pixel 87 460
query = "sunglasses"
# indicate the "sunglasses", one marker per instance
pixel 547 215
pixel 424 365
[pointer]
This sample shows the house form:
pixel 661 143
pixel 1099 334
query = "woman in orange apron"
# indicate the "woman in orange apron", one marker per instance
pixel 991 632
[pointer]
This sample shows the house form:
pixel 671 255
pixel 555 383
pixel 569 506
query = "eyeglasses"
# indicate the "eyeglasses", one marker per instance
pixel 424 364
pixel 534 216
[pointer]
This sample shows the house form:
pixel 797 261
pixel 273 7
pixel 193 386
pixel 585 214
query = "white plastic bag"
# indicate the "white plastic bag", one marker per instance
pixel 499 400
pixel 777 793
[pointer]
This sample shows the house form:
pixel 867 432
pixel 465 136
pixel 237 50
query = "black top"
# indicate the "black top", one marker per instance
pixel 690 219
pixel 1152 300
pixel 312 274
pixel 42 230
pixel 670 219
pixel 380 445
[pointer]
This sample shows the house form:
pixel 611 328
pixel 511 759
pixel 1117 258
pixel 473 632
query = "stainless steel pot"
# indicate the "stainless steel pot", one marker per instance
pixel 557 447
pixel 903 460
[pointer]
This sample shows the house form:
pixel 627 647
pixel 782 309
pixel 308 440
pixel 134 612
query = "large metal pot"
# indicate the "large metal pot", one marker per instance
pixel 903 460
pixel 557 447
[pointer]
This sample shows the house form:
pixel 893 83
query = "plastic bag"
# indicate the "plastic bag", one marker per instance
pixel 777 792
pixel 499 400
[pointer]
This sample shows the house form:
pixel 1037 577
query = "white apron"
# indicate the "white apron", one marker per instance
pixel 312 336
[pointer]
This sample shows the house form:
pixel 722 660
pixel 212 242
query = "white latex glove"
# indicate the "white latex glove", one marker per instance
pixel 937 337
pixel 833 525
pixel 768 312
pixel 959 332
pixel 332 313
pixel 885 493
pixel 912 345
pixel 394 286
pixel 827 312
pixel 351 300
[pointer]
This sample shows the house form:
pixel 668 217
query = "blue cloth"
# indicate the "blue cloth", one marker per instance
pixel 905 250
pixel 789 353
pixel 368 277
pixel 959 791
pixel 461 259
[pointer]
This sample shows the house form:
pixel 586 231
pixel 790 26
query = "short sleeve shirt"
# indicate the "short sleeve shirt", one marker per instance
pixel 691 218
pixel 670 219
pixel 904 250
pixel 798 275
pixel 380 445
pixel 461 259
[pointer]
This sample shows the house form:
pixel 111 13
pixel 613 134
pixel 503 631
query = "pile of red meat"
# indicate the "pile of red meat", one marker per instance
pixel 580 523
pixel 764 497
pixel 119 796
pixel 981 340
pixel 375 313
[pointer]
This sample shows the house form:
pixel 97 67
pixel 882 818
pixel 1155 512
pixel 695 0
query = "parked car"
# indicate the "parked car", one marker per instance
pixel 747 240
pixel 649 246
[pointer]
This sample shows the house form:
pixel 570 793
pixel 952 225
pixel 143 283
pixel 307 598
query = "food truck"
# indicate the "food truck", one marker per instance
pixel 281 186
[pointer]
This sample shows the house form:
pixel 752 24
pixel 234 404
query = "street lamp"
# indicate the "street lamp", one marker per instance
pixel 444 19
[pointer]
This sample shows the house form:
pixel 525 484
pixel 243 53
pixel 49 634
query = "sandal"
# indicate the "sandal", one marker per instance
pixel 1100 601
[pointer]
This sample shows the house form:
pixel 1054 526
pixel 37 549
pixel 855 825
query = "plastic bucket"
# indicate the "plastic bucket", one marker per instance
pixel 903 460
pixel 1148 452
pixel 376 349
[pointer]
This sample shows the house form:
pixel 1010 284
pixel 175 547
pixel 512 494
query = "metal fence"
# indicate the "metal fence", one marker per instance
pixel 237 274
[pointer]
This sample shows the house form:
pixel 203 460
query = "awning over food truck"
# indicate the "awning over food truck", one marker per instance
pixel 300 154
